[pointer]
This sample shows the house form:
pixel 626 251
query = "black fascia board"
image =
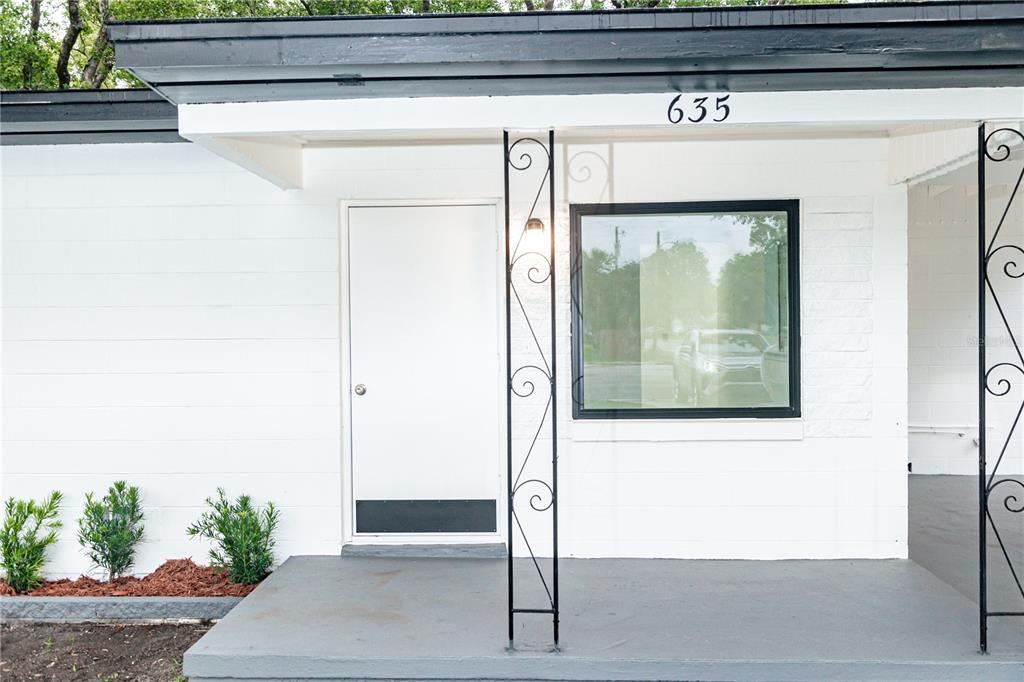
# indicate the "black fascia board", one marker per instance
pixel 898 45
pixel 86 116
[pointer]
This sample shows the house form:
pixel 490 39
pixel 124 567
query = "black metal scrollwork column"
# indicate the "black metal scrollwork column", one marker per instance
pixel 531 405
pixel 1008 492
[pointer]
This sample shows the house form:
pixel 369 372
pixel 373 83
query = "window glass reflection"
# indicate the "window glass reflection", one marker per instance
pixel 684 310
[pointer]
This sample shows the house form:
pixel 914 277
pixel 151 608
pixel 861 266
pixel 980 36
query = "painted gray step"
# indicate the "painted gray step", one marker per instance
pixel 493 550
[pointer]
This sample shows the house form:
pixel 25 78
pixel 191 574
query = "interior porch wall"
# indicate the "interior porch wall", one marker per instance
pixel 943 327
pixel 173 320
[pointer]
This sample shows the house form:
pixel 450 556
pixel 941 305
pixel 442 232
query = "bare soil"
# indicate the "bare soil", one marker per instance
pixel 60 651
pixel 174 578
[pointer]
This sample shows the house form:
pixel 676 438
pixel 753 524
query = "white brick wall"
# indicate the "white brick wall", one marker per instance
pixel 836 485
pixel 173 320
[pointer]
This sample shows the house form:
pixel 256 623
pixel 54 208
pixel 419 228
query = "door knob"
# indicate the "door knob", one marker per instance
pixel 360 389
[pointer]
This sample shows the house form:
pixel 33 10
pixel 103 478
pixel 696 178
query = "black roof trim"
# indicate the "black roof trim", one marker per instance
pixel 711 17
pixel 86 117
pixel 801 47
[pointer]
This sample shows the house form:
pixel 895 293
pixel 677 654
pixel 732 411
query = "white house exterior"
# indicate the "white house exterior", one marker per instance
pixel 188 315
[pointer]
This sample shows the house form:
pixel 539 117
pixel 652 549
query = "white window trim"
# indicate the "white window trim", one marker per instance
pixel 685 430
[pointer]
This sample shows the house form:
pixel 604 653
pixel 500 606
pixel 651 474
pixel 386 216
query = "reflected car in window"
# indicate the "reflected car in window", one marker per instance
pixel 717 365
pixel 775 373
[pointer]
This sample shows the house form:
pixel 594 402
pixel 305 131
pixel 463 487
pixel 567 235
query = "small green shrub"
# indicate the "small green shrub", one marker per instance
pixel 29 528
pixel 111 527
pixel 244 536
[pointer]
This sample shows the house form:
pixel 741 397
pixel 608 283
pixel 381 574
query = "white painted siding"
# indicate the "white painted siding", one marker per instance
pixel 173 320
pixel 170 320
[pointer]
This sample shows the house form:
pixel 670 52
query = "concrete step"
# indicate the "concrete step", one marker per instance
pixel 491 550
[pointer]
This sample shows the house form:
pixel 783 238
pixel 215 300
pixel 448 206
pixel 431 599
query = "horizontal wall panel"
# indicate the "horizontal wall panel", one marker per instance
pixel 140 223
pixel 172 256
pixel 315 321
pixel 190 490
pixel 168 356
pixel 128 458
pixel 169 423
pixel 172 390
pixel 134 189
pixel 111 160
pixel 170 289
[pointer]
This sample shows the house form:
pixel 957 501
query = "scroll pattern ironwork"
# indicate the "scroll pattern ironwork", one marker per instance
pixel 531 265
pixel 999 259
pixel 580 171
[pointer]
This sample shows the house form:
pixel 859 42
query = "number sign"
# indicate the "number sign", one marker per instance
pixel 698 110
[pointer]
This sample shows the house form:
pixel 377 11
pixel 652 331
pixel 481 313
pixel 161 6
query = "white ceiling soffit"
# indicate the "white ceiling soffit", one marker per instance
pixel 576 112
pixel 267 137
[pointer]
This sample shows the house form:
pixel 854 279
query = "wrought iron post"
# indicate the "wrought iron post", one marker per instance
pixel 531 379
pixel 996 147
pixel 982 491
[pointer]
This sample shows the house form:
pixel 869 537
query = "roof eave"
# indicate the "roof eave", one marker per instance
pixel 737 49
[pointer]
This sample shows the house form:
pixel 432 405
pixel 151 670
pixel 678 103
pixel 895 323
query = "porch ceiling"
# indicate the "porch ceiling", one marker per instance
pixel 838 47
pixel 610 134
pixel 269 137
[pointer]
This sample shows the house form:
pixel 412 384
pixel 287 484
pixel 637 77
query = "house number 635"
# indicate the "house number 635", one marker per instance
pixel 699 111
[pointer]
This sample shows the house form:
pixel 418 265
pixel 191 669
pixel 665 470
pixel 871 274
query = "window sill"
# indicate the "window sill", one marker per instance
pixel 682 430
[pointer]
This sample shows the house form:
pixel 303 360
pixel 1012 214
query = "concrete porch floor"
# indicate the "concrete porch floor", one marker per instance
pixel 444 619
pixel 393 618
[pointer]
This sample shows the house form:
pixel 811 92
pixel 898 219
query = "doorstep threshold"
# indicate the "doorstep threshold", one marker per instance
pixel 490 550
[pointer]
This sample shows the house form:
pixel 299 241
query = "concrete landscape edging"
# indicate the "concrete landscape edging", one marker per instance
pixel 114 609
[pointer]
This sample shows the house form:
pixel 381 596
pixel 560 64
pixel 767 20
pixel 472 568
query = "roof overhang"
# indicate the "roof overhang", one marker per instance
pixel 772 48
pixel 268 138
pixel 86 116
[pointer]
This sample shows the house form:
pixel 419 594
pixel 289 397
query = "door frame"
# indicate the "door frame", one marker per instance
pixel 348 532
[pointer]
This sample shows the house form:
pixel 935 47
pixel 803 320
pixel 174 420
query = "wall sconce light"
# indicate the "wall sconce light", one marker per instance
pixel 534 225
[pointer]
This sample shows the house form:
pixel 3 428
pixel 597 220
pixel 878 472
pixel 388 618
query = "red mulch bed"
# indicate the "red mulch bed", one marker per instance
pixel 174 578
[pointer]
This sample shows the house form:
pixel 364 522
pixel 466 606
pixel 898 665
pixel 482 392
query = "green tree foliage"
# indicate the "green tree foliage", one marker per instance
pixel 673 282
pixel 676 286
pixel 29 528
pixel 111 527
pixel 611 306
pixel 48 44
pixel 752 291
pixel 243 536
pixel 639 310
pixel 27 46
pixel 742 291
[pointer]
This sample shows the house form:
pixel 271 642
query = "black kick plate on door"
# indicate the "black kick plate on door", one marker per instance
pixel 426 516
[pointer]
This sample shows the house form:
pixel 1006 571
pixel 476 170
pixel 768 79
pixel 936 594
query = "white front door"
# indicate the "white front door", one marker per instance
pixel 425 379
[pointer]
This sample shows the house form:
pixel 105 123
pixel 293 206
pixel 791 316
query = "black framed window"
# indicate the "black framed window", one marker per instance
pixel 685 310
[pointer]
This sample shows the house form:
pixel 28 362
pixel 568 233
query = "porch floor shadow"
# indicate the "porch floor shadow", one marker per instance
pixel 361 618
